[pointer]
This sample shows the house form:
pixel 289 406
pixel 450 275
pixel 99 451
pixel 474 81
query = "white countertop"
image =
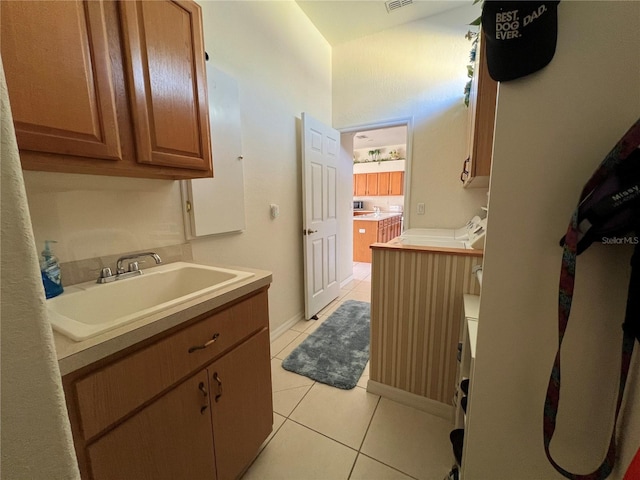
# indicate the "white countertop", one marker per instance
pixel 375 217
pixel 73 355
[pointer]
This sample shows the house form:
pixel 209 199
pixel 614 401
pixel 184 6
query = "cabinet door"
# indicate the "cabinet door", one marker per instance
pixel 396 183
pixel 241 403
pixel 165 61
pixel 372 184
pixel 482 110
pixel 360 180
pixel 169 439
pixel 58 71
pixel 383 183
pixel 365 232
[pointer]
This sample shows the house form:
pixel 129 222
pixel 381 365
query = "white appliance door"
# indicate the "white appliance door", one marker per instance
pixel 320 149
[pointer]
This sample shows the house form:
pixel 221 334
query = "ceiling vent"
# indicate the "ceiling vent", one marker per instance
pixel 396 4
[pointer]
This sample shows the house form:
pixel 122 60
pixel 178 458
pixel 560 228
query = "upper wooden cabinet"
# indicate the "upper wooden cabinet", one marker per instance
pixel 482 112
pixel 378 184
pixel 165 65
pixel 390 183
pixel 56 60
pixel 116 88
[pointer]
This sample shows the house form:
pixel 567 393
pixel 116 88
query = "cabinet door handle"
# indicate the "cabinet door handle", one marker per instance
pixel 202 389
pixel 218 380
pixel 206 394
pixel 206 344
pixel 465 173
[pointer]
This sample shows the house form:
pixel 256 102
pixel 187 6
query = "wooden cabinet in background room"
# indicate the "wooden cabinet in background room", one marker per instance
pixel 360 184
pixel 77 89
pixel 378 184
pixel 390 183
pixel 368 232
pixel 365 184
pixel 482 111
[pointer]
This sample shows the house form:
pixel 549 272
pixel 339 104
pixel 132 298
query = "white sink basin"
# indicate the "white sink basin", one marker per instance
pixel 88 309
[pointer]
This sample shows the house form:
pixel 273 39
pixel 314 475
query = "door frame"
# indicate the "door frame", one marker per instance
pixel 396 122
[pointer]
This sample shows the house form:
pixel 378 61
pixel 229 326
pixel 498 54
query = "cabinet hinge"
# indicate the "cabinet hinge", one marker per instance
pixel 188 205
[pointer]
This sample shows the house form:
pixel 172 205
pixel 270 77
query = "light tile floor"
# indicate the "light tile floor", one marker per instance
pixel 321 432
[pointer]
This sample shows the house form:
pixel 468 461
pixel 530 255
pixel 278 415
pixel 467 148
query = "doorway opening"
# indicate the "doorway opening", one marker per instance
pixel 381 156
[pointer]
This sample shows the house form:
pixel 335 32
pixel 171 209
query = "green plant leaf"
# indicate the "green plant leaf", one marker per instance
pixel 476 22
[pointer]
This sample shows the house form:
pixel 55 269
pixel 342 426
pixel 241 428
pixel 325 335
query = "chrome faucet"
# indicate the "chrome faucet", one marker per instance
pixel 133 268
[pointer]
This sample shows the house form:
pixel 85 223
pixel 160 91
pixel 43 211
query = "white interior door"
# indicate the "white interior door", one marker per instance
pixel 320 149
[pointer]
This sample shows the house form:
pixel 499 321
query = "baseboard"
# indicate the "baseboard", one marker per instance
pixel 412 400
pixel 346 281
pixel 273 334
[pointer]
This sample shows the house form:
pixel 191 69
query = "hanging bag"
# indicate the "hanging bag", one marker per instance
pixel 609 209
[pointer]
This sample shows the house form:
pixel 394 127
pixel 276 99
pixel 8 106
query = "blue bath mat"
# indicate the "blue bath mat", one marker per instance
pixel 337 352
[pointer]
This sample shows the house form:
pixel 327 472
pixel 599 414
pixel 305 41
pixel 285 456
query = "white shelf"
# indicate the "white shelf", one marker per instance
pixel 471 306
pixel 472 325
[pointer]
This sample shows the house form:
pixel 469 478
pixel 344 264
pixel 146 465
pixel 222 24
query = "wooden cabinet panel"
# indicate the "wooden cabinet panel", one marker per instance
pixel 169 439
pixel 110 393
pixel 365 232
pixel 383 183
pixel 360 184
pixel 163 414
pixel 372 183
pixel 396 183
pixel 482 110
pixel 71 75
pixel 378 184
pixel 368 232
pixel 58 71
pixel 164 56
pixel 242 409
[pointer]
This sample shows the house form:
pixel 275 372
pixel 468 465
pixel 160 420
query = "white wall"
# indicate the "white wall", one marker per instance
pixel 345 199
pixel 416 70
pixel 283 67
pixel 553 128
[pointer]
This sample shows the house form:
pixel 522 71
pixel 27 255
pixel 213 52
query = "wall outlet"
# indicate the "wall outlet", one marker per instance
pixel 421 209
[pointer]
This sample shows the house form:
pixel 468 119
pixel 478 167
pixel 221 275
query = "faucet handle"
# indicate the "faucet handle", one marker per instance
pixel 134 266
pixel 105 272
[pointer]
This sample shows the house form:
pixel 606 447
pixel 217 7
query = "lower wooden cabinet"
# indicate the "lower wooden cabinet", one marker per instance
pixel 241 406
pixel 367 232
pixel 195 411
pixel 171 438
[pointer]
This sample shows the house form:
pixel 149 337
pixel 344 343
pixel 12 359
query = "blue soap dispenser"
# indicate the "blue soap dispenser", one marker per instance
pixel 50 270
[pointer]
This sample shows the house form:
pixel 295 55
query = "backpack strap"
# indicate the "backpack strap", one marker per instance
pixel 625 147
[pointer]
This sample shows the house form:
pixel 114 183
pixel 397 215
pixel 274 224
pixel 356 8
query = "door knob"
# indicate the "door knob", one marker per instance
pixel 309 231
